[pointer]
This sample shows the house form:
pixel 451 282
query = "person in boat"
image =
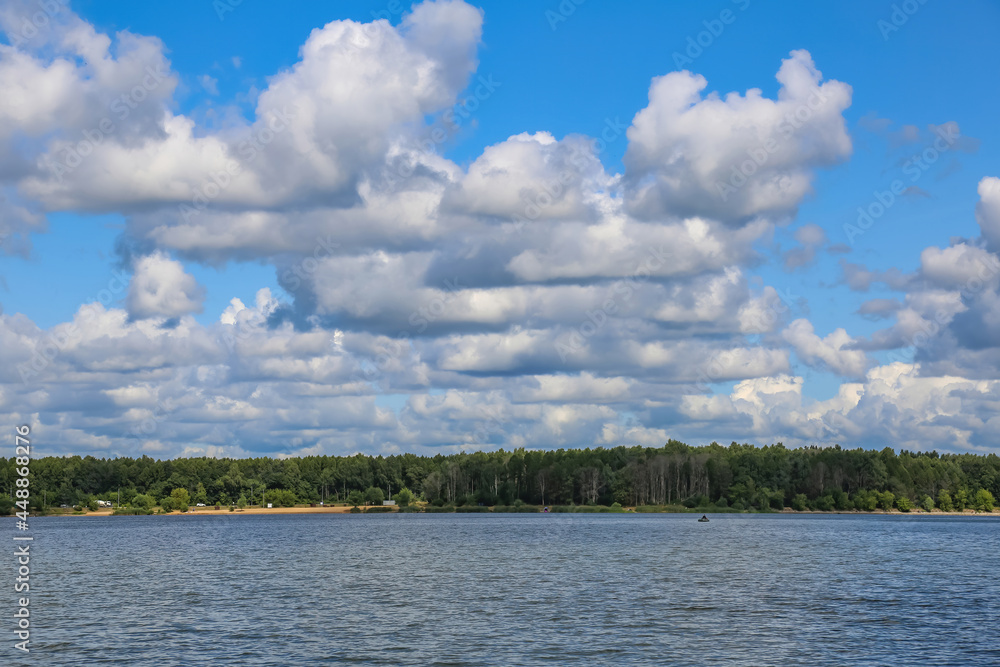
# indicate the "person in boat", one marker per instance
pixel 703 518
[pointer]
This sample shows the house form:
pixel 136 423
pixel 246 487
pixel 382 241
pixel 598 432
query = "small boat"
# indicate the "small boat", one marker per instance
pixel 703 519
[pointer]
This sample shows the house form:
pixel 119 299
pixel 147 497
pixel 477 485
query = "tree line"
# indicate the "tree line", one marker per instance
pixel 739 476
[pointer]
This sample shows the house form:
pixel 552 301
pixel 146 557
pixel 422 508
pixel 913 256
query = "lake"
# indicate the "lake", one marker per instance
pixel 507 589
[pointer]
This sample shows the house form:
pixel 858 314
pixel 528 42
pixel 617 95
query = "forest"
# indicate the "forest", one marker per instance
pixel 737 477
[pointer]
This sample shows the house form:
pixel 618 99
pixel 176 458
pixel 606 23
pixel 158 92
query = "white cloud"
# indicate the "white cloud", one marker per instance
pixel 691 155
pixel 833 352
pixel 988 211
pixel 528 298
pixel 322 122
pixel 161 288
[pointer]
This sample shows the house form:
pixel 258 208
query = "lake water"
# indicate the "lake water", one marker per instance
pixel 512 590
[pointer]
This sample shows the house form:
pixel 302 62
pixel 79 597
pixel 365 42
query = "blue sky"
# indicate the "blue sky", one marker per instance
pixel 564 71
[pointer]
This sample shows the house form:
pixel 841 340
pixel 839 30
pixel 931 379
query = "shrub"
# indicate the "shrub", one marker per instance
pixel 280 498
pixel 927 504
pixel 866 501
pixel 437 502
pixel 439 510
pixel 355 498
pixel 143 501
pixel 944 501
pixel 961 500
pixel 92 505
pixel 181 498
pixel 983 501
pixel 776 500
pixel 886 500
pixel 722 502
pixel 799 502
pixel 824 503
pixel 904 504
pixel 6 505
pixel 374 495
pixel 616 507
pixel 404 497
pixel 841 500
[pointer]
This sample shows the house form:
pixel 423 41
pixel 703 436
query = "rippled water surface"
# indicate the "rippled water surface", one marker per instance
pixel 514 590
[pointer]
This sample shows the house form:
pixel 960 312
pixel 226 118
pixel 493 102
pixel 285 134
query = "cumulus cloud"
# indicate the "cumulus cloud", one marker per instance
pixel 527 298
pixel 161 288
pixel 322 122
pixel 531 177
pixel 988 211
pixel 893 404
pixel 833 352
pixel 735 157
pixel 949 318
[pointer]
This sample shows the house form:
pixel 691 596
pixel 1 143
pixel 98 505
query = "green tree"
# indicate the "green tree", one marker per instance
pixel 961 500
pixel 824 503
pixel 92 505
pixel 167 504
pixel 866 501
pixel 404 497
pixel 6 505
pixel 886 500
pixel 777 500
pixel 904 504
pixel 983 501
pixel 242 502
pixel 944 501
pixel 800 502
pixel 280 498
pixel 143 501
pixel 374 495
pixel 841 499
pixel 927 503
pixel 200 495
pixel 181 499
pixel 355 497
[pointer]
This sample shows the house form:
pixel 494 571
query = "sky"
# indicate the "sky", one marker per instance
pixel 233 229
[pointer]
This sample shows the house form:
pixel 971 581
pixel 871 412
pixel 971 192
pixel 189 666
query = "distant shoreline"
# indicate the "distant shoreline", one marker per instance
pixel 343 509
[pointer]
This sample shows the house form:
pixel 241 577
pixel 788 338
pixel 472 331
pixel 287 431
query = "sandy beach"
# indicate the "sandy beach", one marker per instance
pixel 202 511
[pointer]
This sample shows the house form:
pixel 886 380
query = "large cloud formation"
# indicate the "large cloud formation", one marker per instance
pixel 530 299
